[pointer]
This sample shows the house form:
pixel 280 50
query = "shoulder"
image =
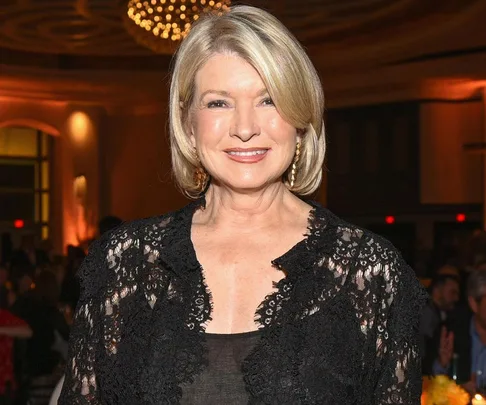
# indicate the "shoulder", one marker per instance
pixel 371 259
pixel 151 231
pixel 120 254
pixel 129 235
pixel 355 241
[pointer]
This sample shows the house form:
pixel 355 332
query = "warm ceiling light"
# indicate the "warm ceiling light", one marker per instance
pixel 160 24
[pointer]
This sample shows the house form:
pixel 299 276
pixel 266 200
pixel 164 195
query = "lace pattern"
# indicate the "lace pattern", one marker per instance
pixel 341 326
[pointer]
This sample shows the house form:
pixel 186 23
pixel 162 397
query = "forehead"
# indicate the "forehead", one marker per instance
pixel 228 72
pixel 450 283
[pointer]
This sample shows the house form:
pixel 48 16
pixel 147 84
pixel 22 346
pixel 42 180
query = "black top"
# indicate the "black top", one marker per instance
pixel 221 382
pixel 340 328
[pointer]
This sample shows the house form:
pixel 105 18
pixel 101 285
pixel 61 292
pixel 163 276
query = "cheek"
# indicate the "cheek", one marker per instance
pixel 277 124
pixel 281 131
pixel 207 127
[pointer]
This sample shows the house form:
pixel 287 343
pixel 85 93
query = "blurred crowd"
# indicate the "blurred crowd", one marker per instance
pixel 38 295
pixel 453 324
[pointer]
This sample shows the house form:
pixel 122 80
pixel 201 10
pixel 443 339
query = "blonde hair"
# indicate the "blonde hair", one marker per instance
pixel 287 72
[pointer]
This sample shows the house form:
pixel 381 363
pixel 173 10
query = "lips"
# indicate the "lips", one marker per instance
pixel 248 155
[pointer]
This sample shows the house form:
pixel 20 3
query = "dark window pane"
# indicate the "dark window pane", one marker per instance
pixel 16 206
pixel 17 176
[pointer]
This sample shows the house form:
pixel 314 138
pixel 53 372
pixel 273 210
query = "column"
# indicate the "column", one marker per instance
pixel 81 173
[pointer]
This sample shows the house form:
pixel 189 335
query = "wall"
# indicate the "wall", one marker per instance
pixel 79 155
pixel 448 174
pixel 135 166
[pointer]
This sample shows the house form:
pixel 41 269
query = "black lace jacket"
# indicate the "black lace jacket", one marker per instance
pixel 341 328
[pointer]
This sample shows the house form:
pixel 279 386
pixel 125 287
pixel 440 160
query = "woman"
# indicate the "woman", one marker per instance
pixel 11 328
pixel 167 313
pixel 39 308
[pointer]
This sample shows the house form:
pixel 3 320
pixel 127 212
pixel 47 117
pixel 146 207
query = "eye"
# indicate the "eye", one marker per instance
pixel 267 101
pixel 216 104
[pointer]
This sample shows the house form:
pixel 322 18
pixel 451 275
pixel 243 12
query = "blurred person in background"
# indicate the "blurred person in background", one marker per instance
pixel 4 290
pixel 108 223
pixel 436 315
pixel 11 327
pixel 46 251
pixel 28 254
pixel 70 289
pixel 45 352
pixel 462 354
pixel 22 280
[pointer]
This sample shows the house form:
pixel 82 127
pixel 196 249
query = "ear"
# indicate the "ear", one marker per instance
pixel 301 131
pixel 192 137
pixel 473 304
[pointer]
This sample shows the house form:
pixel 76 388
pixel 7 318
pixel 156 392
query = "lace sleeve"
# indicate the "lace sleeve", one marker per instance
pixel 398 362
pixel 80 385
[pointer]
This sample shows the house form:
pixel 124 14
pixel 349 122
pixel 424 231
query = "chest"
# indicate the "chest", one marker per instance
pixel 239 274
pixel 319 356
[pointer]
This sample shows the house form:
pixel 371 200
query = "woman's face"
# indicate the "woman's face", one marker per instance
pixel 240 137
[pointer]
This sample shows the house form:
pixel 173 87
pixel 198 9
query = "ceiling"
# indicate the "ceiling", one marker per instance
pixel 90 34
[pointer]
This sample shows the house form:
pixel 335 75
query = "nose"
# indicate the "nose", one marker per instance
pixel 244 125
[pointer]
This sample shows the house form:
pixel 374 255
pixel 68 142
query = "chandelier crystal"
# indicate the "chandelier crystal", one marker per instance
pixel 161 24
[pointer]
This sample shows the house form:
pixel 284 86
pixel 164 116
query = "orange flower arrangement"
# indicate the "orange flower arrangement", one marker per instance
pixel 441 390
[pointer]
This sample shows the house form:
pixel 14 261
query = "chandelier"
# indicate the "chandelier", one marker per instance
pixel 160 24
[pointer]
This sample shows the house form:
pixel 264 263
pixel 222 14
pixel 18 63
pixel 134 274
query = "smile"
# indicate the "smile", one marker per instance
pixel 247 153
pixel 252 155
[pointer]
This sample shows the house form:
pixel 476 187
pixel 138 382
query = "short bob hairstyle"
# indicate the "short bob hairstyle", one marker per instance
pixel 287 72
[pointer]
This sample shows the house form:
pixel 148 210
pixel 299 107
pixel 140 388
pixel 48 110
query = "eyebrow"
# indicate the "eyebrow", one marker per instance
pixel 225 93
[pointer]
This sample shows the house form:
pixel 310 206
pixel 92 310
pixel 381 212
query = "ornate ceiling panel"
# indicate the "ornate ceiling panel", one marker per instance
pixel 91 32
pixel 80 27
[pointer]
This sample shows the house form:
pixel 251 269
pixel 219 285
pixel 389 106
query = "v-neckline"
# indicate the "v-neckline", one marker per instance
pixel 277 263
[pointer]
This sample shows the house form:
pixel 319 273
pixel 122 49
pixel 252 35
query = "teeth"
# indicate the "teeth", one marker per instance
pixel 252 153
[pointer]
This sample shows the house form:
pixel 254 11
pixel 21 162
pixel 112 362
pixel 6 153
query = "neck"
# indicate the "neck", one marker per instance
pixel 437 301
pixel 260 209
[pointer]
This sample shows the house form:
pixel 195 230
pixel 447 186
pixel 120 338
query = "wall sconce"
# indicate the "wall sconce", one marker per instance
pixel 80 188
pixel 80 126
pixel 84 228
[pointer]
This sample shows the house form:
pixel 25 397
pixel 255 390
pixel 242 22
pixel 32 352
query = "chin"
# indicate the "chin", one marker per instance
pixel 247 184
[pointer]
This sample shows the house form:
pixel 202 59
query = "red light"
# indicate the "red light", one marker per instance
pixel 460 217
pixel 19 223
pixel 390 219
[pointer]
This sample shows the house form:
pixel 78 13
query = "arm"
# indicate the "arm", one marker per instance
pixel 81 385
pixel 446 351
pixel 398 361
pixel 22 332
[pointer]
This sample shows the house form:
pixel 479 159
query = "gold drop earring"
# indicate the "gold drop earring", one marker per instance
pixel 293 172
pixel 200 176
